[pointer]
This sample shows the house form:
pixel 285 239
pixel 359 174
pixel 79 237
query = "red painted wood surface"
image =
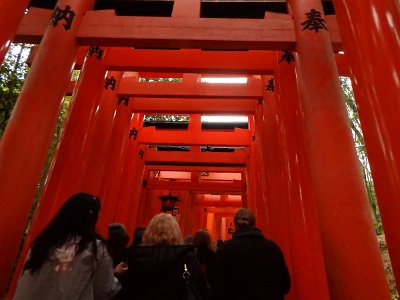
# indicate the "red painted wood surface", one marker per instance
pixel 334 169
pixel 374 26
pixel 33 123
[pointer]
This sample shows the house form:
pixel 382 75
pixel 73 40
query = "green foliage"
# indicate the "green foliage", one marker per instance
pixel 361 151
pixel 160 79
pixel 166 118
pixel 12 75
pixel 75 75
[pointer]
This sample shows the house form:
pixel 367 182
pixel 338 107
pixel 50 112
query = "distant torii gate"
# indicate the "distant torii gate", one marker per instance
pixel 301 172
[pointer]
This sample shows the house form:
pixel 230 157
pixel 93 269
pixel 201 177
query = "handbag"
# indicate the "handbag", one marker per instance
pixel 190 291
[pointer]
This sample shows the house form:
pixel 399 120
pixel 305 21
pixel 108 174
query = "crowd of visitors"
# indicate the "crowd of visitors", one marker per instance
pixel 69 260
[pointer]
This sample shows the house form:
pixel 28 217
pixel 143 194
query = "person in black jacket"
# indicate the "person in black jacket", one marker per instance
pixel 156 267
pixel 117 242
pixel 205 255
pixel 249 266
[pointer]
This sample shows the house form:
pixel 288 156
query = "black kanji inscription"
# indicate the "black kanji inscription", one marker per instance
pixel 62 14
pixel 133 133
pixel 141 153
pixel 287 56
pixel 314 21
pixel 270 85
pixel 110 82
pixel 95 50
pixel 123 99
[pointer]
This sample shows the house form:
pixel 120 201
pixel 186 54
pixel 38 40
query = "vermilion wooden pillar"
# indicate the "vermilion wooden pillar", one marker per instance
pixel 263 135
pixel 256 178
pixel 251 174
pixel 194 119
pixel 308 268
pixel 272 151
pixel 192 215
pixel 250 183
pixel 137 191
pixel 61 180
pixel 349 241
pixel 144 216
pixel 148 206
pixel 122 194
pixel 275 160
pixel 211 225
pixel 218 227
pixel 185 212
pixel 99 134
pixel 374 26
pixel 152 203
pixel 204 218
pixel 115 159
pixel 67 161
pixel 11 13
pixel 25 142
pixel 114 166
pixel 199 211
pixel 130 187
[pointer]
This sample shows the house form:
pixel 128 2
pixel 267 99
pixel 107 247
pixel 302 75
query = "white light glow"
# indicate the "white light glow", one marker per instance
pixel 227 119
pixel 238 80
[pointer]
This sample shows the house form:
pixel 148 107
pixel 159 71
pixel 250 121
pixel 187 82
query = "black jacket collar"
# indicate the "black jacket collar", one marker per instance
pixel 248 232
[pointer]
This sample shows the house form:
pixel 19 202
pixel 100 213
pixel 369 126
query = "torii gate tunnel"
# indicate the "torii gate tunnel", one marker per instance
pixel 293 162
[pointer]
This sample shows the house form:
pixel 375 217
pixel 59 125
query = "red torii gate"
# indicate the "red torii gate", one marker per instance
pixel 287 116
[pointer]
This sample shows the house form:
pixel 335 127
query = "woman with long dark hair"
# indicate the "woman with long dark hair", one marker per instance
pixel 68 260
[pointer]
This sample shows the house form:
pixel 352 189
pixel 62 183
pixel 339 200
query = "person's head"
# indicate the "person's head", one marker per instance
pixel 76 218
pixel 162 230
pixel 244 217
pixel 202 239
pixel 78 215
pixel 138 236
pixel 117 235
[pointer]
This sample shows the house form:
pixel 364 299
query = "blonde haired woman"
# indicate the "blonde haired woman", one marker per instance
pixel 162 230
pixel 156 267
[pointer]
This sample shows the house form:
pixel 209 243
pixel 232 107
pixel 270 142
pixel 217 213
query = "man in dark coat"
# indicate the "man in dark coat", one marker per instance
pixel 249 266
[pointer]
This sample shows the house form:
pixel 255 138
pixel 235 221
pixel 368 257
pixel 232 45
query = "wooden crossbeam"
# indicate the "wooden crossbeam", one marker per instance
pixel 192 106
pixel 210 168
pixel 103 28
pixel 236 138
pixel 173 63
pixel 260 62
pixel 191 61
pixel 237 158
pixel 220 203
pixel 234 187
pixel 275 32
pixel 129 87
pixel 222 211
